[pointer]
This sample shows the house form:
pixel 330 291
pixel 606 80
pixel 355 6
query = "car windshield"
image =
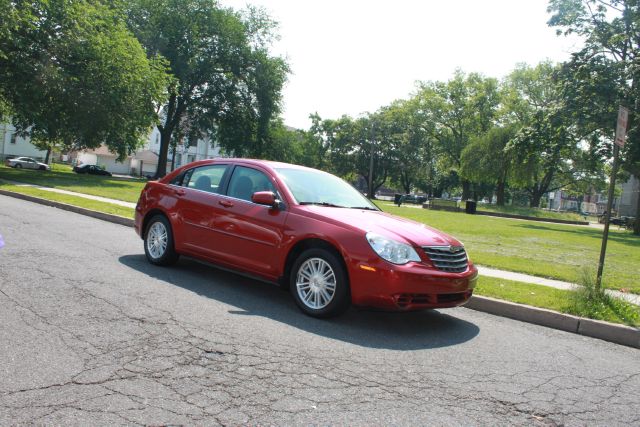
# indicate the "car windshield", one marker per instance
pixel 310 186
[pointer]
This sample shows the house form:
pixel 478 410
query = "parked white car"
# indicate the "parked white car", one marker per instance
pixel 27 163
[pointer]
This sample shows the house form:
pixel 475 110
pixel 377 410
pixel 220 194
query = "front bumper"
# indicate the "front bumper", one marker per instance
pixel 379 284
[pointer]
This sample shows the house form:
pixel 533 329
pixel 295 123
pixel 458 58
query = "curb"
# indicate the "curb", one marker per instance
pixel 82 211
pixel 618 334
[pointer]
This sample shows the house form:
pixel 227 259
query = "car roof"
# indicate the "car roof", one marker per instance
pixel 268 164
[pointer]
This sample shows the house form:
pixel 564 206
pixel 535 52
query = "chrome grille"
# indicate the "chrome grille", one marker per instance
pixel 447 258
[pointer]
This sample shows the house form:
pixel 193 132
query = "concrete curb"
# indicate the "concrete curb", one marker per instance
pixel 88 212
pixel 614 333
pixel 619 334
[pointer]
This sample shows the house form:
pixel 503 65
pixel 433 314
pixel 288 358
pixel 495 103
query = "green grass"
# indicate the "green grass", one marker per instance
pixel 532 212
pixel 570 302
pixel 71 200
pixel 62 177
pixel 540 249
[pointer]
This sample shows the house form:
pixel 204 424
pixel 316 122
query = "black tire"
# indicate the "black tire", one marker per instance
pixel 42 168
pixel 159 250
pixel 311 296
pixel 18 166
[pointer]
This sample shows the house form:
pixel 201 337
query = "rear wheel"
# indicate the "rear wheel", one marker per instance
pixel 319 283
pixel 158 242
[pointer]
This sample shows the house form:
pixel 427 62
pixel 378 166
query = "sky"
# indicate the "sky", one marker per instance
pixel 355 56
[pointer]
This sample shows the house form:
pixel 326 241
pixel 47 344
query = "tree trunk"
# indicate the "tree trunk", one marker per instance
pixel 46 159
pixel 500 193
pixel 165 138
pixel 466 189
pixel 535 199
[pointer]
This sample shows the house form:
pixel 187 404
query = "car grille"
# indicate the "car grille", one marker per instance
pixel 447 258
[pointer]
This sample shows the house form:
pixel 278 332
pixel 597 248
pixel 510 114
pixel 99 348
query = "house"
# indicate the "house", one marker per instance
pixel 12 145
pixel 628 203
pixel 593 203
pixel 144 162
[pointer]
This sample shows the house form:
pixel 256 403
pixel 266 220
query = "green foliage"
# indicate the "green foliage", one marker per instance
pixel 225 84
pixel 605 71
pixel 73 75
pixel 594 303
pixel 457 111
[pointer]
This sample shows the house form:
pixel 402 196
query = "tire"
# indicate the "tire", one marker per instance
pixel 319 284
pixel 158 242
pixel 42 168
pixel 18 166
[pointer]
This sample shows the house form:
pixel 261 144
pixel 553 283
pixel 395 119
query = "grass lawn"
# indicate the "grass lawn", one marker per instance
pixel 557 300
pixel 64 178
pixel 533 212
pixel 540 249
pixel 71 200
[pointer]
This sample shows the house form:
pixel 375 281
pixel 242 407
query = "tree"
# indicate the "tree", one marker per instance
pixel 457 111
pixel 487 160
pixel 607 64
pixel 224 79
pixel 548 150
pixel 73 75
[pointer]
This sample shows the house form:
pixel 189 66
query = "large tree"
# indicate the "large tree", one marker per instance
pixel 487 160
pixel 458 111
pixel 224 80
pixel 73 75
pixel 608 67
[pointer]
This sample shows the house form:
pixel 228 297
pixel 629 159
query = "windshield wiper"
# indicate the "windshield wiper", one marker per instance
pixel 331 205
pixel 366 208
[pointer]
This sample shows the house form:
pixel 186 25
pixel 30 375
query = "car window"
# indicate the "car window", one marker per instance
pixel 205 178
pixel 246 181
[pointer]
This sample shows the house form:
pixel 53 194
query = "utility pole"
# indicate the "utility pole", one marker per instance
pixel 621 134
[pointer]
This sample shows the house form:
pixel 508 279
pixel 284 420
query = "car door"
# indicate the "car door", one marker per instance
pixel 251 233
pixel 31 164
pixel 197 197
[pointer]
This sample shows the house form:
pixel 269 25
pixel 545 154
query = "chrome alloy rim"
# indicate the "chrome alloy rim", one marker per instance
pixel 316 283
pixel 157 239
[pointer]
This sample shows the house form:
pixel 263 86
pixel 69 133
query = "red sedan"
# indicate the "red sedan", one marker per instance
pixel 305 229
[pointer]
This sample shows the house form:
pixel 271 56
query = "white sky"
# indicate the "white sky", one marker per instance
pixel 354 56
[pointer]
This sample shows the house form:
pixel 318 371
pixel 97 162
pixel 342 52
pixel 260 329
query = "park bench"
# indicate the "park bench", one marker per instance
pixel 443 205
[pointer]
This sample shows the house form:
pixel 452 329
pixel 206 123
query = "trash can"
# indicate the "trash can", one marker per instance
pixel 470 207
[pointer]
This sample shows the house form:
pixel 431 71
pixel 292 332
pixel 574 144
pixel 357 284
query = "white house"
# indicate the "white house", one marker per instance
pixel 12 145
pixel 629 197
pixel 145 160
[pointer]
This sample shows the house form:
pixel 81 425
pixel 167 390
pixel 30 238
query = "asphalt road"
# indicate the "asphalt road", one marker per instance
pixel 90 333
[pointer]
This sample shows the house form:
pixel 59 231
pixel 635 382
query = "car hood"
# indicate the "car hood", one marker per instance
pixel 402 229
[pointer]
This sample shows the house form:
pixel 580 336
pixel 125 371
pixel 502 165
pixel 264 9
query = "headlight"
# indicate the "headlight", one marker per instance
pixel 392 250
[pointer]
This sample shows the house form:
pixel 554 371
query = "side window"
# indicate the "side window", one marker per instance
pixel 205 178
pixel 246 181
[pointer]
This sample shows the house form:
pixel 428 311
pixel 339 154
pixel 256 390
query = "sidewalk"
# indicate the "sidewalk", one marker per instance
pixel 484 271
pixel 72 193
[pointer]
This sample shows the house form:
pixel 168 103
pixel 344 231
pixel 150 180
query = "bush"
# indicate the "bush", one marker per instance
pixel 594 303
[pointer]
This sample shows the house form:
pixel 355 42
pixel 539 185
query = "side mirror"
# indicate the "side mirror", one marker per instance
pixel 267 198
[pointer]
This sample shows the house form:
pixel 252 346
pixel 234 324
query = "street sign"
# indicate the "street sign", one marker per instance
pixel 621 128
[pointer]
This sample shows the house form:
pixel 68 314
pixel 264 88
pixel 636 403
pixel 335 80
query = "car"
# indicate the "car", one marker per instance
pixel 304 229
pixel 26 163
pixel 91 170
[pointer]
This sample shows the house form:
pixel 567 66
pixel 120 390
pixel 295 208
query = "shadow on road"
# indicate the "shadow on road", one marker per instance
pixel 395 331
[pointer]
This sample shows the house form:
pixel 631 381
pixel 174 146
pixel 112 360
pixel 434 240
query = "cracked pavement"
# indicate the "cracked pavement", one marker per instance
pixel 93 334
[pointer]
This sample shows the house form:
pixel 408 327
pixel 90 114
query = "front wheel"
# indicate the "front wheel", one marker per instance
pixel 18 166
pixel 158 242
pixel 319 284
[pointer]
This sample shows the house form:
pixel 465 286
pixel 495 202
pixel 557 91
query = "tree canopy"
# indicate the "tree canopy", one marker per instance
pixel 72 74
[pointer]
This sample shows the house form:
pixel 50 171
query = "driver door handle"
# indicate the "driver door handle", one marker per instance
pixel 179 192
pixel 226 203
